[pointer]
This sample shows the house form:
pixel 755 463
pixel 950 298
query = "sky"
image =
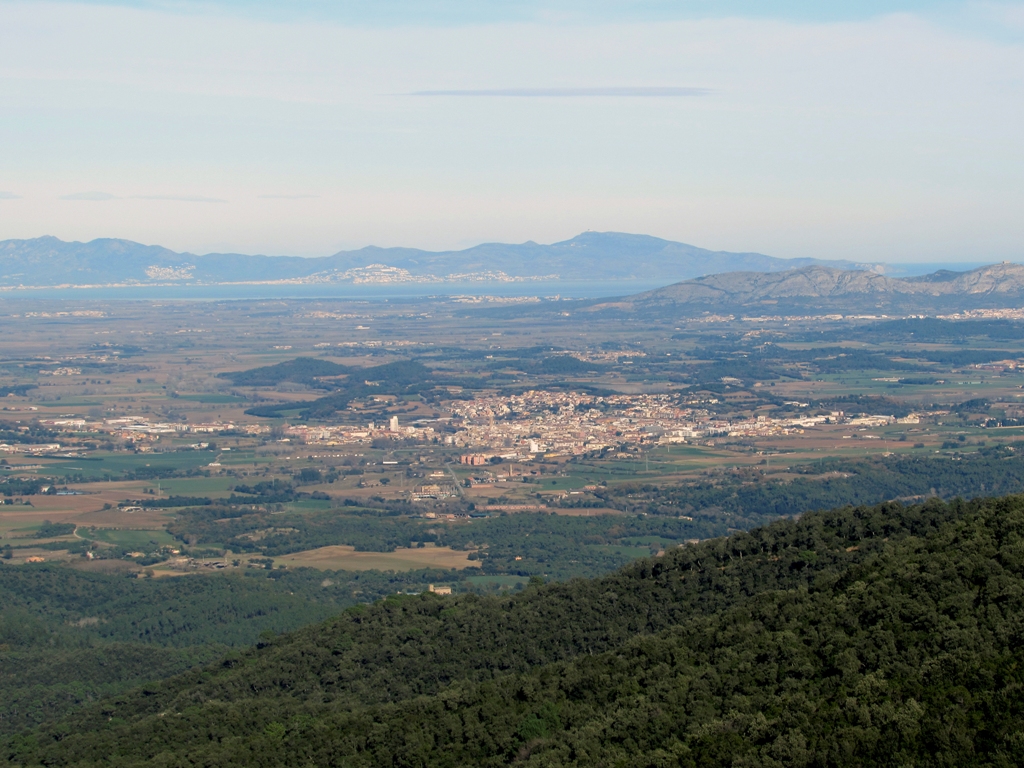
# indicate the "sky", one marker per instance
pixel 872 131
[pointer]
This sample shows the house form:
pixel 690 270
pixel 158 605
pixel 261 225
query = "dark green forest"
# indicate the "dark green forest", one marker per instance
pixel 69 637
pixel 748 498
pixel 301 370
pixel 884 635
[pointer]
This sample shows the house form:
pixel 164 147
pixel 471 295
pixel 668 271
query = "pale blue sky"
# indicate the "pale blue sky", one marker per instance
pixel 872 131
pixel 456 12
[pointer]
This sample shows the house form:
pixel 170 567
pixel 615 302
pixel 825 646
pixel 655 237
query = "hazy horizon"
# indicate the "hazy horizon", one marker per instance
pixel 923 265
pixel 871 132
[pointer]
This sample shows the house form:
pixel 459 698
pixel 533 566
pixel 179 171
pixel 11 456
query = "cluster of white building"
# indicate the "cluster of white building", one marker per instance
pixel 555 423
pixel 29 447
pixel 338 435
pixel 512 427
pixel 134 427
pixel 575 423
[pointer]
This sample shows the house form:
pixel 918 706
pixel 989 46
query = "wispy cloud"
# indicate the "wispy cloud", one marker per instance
pixel 572 93
pixel 287 197
pixel 94 196
pixel 9 196
pixel 98 196
pixel 181 198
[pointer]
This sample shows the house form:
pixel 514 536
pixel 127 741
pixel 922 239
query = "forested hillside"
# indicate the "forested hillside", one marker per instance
pixel 887 635
pixel 68 638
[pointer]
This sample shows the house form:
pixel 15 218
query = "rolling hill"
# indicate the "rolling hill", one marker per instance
pixel 824 288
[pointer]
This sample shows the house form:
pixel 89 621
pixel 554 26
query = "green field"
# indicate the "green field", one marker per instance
pixel 68 402
pixel 650 541
pixel 236 458
pixel 197 486
pixel 634 553
pixel 211 399
pixel 129 539
pixel 101 465
pixel 497 580
pixel 561 483
pixel 310 505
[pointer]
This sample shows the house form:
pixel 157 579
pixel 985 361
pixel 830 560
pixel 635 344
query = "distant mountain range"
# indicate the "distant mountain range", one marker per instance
pixel 591 256
pixel 826 288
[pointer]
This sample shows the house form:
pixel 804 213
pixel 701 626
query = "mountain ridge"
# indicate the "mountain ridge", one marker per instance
pixel 813 286
pixel 50 262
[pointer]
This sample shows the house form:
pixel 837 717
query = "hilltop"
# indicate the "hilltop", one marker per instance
pixel 888 635
pixel 826 288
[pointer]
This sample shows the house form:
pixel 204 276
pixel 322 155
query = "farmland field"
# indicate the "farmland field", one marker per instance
pixel 132 538
pixel 343 558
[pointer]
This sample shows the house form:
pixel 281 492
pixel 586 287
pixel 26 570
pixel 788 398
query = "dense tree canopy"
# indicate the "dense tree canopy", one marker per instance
pixel 887 635
pixel 69 637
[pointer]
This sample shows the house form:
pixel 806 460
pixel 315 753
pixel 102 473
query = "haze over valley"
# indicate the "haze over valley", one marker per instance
pixel 591 256
pixel 324 440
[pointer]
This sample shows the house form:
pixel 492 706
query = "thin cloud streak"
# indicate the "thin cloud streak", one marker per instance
pixel 90 196
pixel 9 196
pixel 181 198
pixel 102 196
pixel 573 93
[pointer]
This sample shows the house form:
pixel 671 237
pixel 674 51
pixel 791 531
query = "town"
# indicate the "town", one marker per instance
pixel 535 424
